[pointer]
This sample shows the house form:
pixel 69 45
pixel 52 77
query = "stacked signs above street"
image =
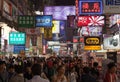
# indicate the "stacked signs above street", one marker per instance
pixel 90 22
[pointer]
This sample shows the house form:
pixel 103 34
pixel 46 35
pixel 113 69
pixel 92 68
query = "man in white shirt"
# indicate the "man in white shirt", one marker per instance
pixel 36 70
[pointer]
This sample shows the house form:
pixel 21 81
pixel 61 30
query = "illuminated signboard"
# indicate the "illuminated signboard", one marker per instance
pixel 56 26
pixel 92 43
pixel 18 48
pixel 59 12
pixel 17 38
pixel 90 31
pixel 111 42
pixel 90 7
pixel 91 21
pixel 43 21
pixel 26 21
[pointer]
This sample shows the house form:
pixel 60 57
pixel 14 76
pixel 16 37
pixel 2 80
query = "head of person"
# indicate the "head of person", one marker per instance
pixel 61 69
pixel 11 69
pixel 95 64
pixel 111 67
pixel 36 69
pixel 18 69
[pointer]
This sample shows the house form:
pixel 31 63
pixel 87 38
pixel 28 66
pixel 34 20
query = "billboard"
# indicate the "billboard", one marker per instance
pixel 111 6
pixel 59 12
pixel 91 21
pixel 111 42
pixel 18 49
pixel 90 31
pixel 43 21
pixel 90 7
pixel 17 38
pixel 114 19
pixel 56 26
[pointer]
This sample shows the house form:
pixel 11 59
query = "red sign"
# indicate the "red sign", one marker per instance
pixel 90 21
pixel 90 7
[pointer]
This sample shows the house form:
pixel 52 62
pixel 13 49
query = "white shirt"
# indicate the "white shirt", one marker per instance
pixel 37 78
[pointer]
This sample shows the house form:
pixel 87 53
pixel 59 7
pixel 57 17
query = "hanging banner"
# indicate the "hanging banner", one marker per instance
pixel 27 41
pixel 39 43
pixel 26 21
pixel 33 40
pixel 48 33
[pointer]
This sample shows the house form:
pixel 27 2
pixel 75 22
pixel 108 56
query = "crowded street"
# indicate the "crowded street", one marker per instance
pixel 59 40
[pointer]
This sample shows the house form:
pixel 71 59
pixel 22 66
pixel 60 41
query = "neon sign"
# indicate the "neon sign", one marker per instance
pixel 90 7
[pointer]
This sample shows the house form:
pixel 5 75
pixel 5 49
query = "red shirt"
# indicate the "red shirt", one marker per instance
pixel 110 77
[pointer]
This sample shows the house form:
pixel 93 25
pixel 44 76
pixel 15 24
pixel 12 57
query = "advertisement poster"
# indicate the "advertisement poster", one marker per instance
pixel 90 21
pixel 59 12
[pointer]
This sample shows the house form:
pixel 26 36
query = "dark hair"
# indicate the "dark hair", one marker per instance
pixel 36 69
pixel 86 70
pixel 95 64
pixel 18 69
pixel 110 65
pixel 2 62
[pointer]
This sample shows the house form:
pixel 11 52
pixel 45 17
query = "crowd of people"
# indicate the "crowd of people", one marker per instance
pixel 53 69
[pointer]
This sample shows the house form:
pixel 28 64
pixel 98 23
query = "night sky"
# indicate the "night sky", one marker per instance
pixel 64 2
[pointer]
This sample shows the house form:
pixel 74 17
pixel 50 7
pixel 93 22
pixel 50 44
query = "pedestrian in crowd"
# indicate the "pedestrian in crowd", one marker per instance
pixel 60 75
pixel 3 72
pixel 18 77
pixel 28 71
pixel 94 71
pixel 11 71
pixel 36 71
pixel 73 75
pixel 110 75
pixel 86 77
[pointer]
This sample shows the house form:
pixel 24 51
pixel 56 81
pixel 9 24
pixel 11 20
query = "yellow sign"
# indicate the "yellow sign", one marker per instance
pixel 56 26
pixel 92 43
pixel 48 33
pixel 92 47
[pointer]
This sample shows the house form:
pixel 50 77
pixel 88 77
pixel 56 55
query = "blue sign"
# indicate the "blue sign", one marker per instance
pixel 18 48
pixel 112 2
pixel 43 21
pixel 16 38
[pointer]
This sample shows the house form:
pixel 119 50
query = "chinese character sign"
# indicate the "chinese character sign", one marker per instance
pixel 17 38
pixel 26 21
pixel 90 7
